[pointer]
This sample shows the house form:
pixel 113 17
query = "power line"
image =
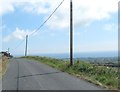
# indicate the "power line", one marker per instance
pixel 40 25
pixel 47 18
pixel 18 45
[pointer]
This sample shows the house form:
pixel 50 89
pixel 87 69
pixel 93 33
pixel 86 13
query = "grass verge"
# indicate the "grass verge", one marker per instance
pixel 100 75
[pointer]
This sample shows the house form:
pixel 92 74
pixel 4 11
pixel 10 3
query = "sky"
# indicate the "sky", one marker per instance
pixel 95 24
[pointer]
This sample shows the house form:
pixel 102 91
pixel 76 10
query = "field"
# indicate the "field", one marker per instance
pixel 100 75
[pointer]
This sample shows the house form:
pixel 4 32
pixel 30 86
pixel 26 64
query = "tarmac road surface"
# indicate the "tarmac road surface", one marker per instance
pixel 23 74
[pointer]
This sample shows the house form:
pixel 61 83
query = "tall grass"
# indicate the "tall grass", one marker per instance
pixel 3 65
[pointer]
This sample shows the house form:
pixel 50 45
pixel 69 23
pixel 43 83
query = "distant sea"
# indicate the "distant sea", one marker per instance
pixel 79 55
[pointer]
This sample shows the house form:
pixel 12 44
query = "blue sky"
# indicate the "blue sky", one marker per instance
pixel 95 26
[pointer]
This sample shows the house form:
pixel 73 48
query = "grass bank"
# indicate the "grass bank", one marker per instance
pixel 99 75
pixel 3 65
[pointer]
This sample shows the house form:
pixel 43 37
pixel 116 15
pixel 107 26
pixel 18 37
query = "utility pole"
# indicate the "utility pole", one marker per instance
pixel 26 45
pixel 8 50
pixel 71 33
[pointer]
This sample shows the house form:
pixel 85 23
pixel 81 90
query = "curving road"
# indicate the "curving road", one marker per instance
pixel 23 74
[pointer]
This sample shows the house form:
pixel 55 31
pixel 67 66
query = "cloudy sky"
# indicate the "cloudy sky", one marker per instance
pixel 95 25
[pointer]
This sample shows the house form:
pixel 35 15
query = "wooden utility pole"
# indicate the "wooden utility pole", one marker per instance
pixel 26 45
pixel 71 33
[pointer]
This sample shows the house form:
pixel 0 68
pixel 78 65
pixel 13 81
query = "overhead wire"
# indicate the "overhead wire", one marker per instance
pixel 18 45
pixel 40 25
pixel 47 18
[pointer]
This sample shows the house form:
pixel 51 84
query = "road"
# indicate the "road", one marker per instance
pixel 23 74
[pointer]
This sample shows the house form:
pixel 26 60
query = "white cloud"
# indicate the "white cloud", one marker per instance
pixel 2 26
pixel 85 11
pixel 6 7
pixel 111 27
pixel 17 34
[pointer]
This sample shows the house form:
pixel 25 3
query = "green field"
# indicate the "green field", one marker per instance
pixel 99 75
